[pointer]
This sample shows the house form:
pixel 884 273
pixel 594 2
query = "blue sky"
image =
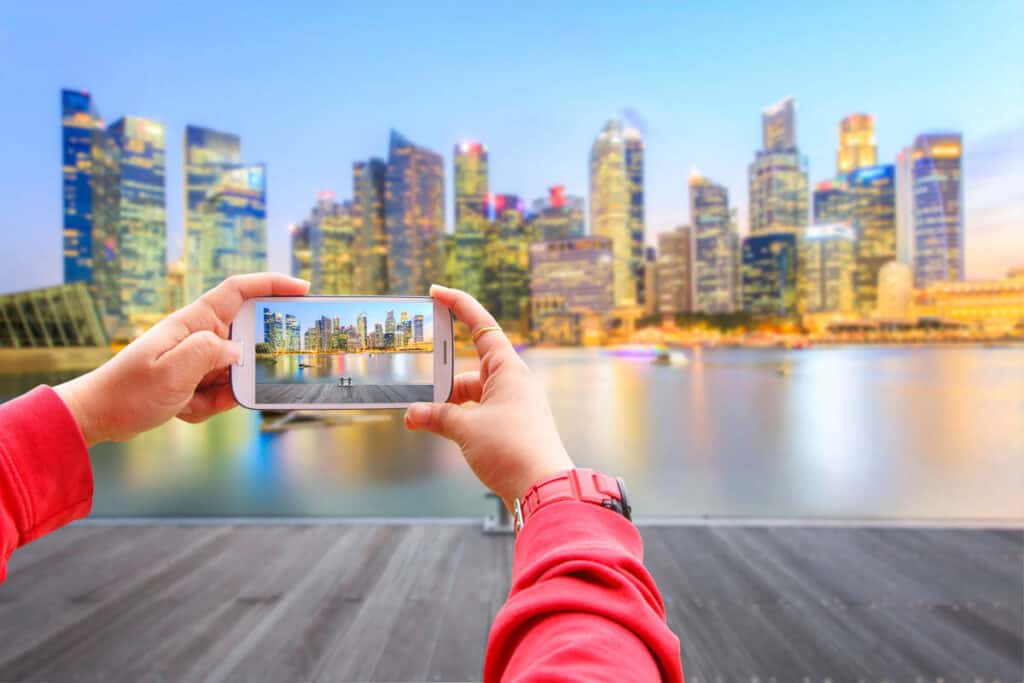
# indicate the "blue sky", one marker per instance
pixel 312 87
pixel 309 312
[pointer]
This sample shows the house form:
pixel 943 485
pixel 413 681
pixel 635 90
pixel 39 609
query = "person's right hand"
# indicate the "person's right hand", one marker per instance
pixel 509 439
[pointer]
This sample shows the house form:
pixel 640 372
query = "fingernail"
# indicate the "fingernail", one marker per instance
pixel 437 289
pixel 299 279
pixel 418 414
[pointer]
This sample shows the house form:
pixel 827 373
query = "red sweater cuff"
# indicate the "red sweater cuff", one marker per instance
pixel 45 475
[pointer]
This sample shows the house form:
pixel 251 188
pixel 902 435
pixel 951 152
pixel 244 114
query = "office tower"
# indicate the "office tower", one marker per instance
pixel 769 274
pixel 712 246
pixel 827 258
pixel 268 326
pixel 301 251
pixel 506 287
pixel 230 228
pixel 651 281
pixel 176 285
pixel 905 205
pixel 874 221
pixel 207 154
pixel 324 333
pixel 81 132
pixel 141 232
pixel 361 330
pixel 417 329
pixel 857 147
pixel 558 216
pixel 674 271
pixel 737 271
pixel 414 217
pixel 389 322
pixel 292 333
pixel 895 290
pixel 370 248
pixel 331 238
pixel 634 146
pixel 452 274
pixel 471 189
pixel 778 126
pixel 277 331
pixel 938 209
pixel 832 202
pixel 611 213
pixel 569 281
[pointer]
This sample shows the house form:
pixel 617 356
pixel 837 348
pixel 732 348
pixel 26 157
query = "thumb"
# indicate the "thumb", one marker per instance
pixel 200 353
pixel 444 419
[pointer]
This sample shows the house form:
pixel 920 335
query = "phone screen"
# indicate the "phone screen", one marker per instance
pixel 330 351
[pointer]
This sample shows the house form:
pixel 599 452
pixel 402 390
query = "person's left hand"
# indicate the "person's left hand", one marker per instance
pixel 177 368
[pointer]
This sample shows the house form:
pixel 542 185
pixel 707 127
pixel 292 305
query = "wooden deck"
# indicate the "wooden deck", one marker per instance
pixel 332 393
pixel 282 602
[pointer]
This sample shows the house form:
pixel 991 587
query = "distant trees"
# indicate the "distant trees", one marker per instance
pixel 264 347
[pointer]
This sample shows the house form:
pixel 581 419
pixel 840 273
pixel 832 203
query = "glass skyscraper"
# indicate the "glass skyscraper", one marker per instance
pixel 712 245
pixel 634 147
pixel 558 216
pixel 778 175
pixel 301 251
pixel 569 279
pixel 370 245
pixel 414 217
pixel 769 274
pixel 674 272
pixel 471 189
pixel 611 207
pixel 873 191
pixel 828 261
pixel 331 238
pixel 778 126
pixel 857 147
pixel 905 205
pixel 832 202
pixel 81 131
pixel 938 209
pixel 506 277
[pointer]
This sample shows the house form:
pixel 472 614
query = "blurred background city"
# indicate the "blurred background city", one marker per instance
pixel 768 262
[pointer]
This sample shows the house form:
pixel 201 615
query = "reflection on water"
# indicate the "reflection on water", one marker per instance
pixel 852 432
pixel 364 368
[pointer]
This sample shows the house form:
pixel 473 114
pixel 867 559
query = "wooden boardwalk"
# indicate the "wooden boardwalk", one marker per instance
pixel 332 393
pixel 340 602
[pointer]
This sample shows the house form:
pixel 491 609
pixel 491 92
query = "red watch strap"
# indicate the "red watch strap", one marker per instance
pixel 577 484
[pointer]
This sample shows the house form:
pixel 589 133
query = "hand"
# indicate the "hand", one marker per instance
pixel 509 439
pixel 177 368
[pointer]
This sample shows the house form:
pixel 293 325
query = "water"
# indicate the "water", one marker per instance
pixel 366 368
pixel 860 432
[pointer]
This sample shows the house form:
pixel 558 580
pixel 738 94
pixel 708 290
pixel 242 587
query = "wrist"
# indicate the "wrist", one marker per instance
pixel 74 394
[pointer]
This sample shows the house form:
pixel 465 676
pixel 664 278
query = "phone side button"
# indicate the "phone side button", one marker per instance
pixel 240 363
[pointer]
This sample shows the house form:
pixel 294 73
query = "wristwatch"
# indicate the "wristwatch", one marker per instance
pixel 584 485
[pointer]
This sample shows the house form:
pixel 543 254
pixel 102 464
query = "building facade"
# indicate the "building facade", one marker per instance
pixel 634 158
pixel 558 216
pixel 674 273
pixel 611 207
pixel 507 262
pixel 81 132
pixel 778 174
pixel 770 275
pixel 51 317
pixel 778 126
pixel 832 202
pixel 712 246
pixel 895 291
pixel 827 259
pixel 905 205
pixel 938 209
pixel 370 247
pixel 857 147
pixel 301 251
pixel 331 240
pixel 992 306
pixel 569 281
pixel 471 191
pixel 874 221
pixel 231 230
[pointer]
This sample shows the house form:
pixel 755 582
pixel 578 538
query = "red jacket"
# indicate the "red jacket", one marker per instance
pixel 582 606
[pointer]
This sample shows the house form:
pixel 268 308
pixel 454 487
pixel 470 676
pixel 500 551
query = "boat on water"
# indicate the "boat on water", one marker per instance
pixel 670 358
pixel 305 365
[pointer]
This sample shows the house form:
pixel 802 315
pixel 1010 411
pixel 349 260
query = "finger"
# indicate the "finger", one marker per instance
pixel 470 311
pixel 215 378
pixel 208 402
pixel 444 419
pixel 225 299
pixel 197 355
pixel 466 387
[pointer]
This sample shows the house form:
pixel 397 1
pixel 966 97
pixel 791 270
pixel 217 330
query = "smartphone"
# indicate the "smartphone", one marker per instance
pixel 342 352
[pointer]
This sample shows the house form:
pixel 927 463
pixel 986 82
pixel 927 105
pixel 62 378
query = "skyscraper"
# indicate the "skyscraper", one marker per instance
pixel 611 207
pixel 857 147
pixel 471 189
pixel 938 209
pixel 506 287
pixel 301 251
pixel 81 131
pixel 905 205
pixel 712 246
pixel 292 333
pixel 874 221
pixel 828 262
pixel 331 237
pixel 778 175
pixel 674 271
pixel 634 146
pixel 417 328
pixel 230 227
pixel 141 214
pixel 769 274
pixel 370 246
pixel 414 216
pixel 832 202
pixel 207 154
pixel 569 279
pixel 558 216
pixel 778 126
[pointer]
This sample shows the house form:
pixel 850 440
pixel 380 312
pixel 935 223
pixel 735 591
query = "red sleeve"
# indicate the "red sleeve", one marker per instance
pixel 45 476
pixel 582 606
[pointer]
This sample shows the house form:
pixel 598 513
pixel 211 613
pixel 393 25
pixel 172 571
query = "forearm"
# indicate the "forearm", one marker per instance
pixel 582 605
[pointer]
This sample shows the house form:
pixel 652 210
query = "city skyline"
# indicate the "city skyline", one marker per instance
pixel 547 130
pixel 309 312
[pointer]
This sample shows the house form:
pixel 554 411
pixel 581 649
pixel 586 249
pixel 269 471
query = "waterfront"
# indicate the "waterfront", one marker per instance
pixel 853 432
pixel 326 368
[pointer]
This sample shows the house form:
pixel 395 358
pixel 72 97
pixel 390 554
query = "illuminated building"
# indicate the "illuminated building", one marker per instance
pixel 292 333
pixel 857 147
pixel 176 285
pixel 417 329
pixel 611 207
pixel 827 260
pixel 874 221
pixel 778 126
pixel 778 175
pixel 895 290
pixel 81 132
pixel 674 271
pixel 833 202
pixel 712 244
pixel 274 329
pixel 414 217
pixel 361 329
pixel 506 264
pixel 569 280
pixel 302 252
pixel 769 274
pixel 370 246
pixel 994 306
pixel 651 280
pixel 634 158
pixel 471 189
pixel 230 225
pixel 207 153
pixel 451 260
pixel 938 209
pixel 905 205
pixel 141 232
pixel 558 216
pixel 331 238
pixel 51 317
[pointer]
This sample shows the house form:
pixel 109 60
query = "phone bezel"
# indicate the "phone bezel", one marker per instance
pixel 243 330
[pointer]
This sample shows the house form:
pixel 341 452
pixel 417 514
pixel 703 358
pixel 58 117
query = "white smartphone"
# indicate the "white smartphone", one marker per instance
pixel 342 352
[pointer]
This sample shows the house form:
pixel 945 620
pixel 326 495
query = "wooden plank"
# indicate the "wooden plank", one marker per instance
pixel 332 393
